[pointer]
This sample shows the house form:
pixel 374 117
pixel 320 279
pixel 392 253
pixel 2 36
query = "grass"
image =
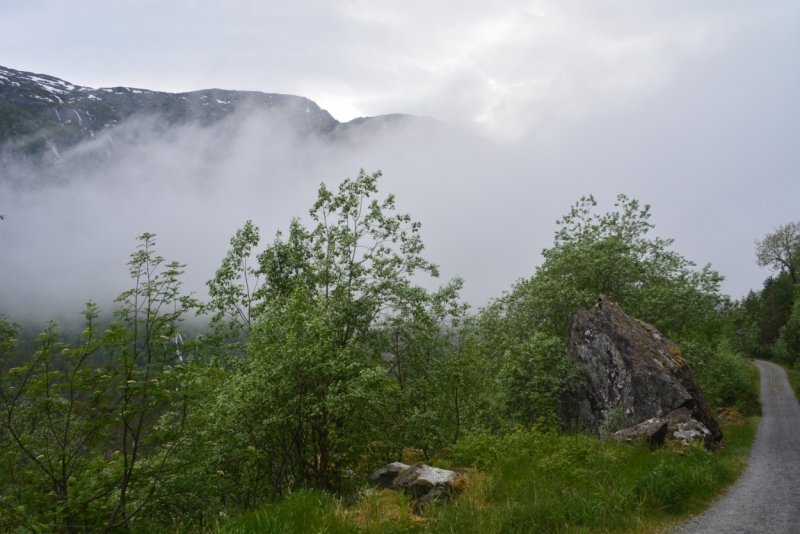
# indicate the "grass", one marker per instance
pixel 749 403
pixel 794 378
pixel 533 481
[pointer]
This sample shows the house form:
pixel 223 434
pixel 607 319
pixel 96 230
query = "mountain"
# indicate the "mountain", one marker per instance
pixel 42 116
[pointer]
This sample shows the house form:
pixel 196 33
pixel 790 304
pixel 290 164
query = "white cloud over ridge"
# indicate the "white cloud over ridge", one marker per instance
pixel 504 69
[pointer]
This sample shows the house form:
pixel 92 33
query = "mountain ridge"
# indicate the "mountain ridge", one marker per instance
pixel 42 115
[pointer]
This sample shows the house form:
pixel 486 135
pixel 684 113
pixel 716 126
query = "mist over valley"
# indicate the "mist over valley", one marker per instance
pixel 84 171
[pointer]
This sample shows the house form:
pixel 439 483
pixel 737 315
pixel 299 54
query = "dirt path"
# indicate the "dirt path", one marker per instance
pixel 767 497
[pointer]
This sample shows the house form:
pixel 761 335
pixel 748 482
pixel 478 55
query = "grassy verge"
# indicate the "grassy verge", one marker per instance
pixel 533 482
pixel 794 378
pixel 750 403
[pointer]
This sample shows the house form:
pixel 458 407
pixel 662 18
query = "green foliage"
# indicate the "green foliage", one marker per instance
pixel 780 250
pixel 87 445
pixel 325 358
pixel 767 322
pixel 611 254
pixel 234 290
pixel 721 372
pixel 793 374
pixel 15 121
pixel 344 351
pixel 302 397
pixel 299 513
pixel 546 482
pixel 533 481
pixel 787 346
pixel 532 378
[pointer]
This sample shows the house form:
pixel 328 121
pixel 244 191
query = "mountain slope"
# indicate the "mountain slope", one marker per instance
pixel 41 115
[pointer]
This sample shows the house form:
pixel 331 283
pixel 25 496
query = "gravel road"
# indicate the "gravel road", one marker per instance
pixel 767 497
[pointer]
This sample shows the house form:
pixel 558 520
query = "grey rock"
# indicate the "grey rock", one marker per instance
pixel 420 479
pixel 653 430
pixel 385 476
pixel 678 425
pixel 424 483
pixel 686 429
pixel 630 364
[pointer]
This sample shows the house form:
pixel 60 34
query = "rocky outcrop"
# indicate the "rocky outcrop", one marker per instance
pixel 630 365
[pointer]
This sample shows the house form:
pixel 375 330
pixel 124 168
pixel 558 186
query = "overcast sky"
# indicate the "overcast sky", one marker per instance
pixel 692 107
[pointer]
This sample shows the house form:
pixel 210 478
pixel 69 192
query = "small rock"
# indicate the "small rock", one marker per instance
pixel 425 483
pixel 654 430
pixel 421 478
pixel 384 477
pixel 686 429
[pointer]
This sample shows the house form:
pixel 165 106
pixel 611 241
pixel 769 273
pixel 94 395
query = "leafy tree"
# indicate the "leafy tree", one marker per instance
pixel 86 448
pixel 523 333
pixel 417 344
pixel 762 314
pixel 235 297
pixel 781 249
pixel 612 254
pixel 336 327
pixel 787 347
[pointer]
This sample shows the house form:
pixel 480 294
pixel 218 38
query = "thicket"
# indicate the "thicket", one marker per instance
pixel 324 358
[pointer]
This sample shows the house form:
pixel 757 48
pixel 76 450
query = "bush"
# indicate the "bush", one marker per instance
pixel 787 348
pixel 721 373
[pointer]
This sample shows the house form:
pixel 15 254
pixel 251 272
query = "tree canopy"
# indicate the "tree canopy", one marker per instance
pixel 781 249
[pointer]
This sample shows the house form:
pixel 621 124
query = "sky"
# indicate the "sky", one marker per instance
pixel 691 107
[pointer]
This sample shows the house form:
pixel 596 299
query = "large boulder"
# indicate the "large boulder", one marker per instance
pixel 629 365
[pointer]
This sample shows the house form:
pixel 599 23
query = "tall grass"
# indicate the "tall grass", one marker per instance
pixel 749 402
pixel 793 373
pixel 552 483
pixel 530 481
pixel 534 481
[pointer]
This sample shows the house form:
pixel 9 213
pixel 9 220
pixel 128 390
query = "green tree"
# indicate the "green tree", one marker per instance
pixel 787 347
pixel 236 298
pixel 87 445
pixel 338 325
pixel 781 249
pixel 524 332
pixel 612 254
